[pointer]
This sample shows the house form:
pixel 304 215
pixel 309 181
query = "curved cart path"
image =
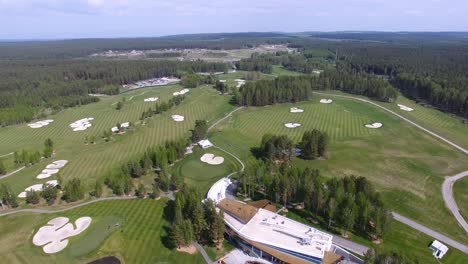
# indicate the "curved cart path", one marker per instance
pixel 447 193
pixel 11 173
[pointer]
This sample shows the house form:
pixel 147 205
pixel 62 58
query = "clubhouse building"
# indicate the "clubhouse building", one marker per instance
pixel 270 236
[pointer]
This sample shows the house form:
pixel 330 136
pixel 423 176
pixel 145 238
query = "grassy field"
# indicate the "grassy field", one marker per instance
pixel 461 196
pixel 140 238
pixel 203 175
pixel 406 165
pixel 90 162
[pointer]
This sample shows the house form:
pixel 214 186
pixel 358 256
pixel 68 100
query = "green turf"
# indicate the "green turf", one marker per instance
pixel 406 165
pixel 460 190
pixel 140 237
pixel 280 70
pixel 90 162
pixel 202 175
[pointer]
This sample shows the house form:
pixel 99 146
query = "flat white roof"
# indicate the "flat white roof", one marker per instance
pixel 278 231
pixel 217 192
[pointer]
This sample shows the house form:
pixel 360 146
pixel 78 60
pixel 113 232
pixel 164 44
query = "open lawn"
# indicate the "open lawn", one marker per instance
pixel 460 190
pixel 406 165
pixel 90 162
pixel 140 237
pixel 202 175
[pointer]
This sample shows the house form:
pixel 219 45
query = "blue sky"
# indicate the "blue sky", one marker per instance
pixel 32 19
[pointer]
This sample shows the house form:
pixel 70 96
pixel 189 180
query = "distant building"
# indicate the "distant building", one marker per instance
pixel 438 248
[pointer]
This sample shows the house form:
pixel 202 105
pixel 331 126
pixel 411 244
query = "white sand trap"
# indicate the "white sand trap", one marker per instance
pixel 57 164
pixel 296 110
pixel 53 237
pixel 125 124
pixel 405 108
pixel 374 125
pixel 178 118
pixel 326 101
pixel 223 81
pixel 181 92
pixel 82 124
pixel 40 124
pixel 240 82
pixel 37 187
pixel 211 159
pixel 50 171
pixel 292 125
pixel 151 99
pixel 43 176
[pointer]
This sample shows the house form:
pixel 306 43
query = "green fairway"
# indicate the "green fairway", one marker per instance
pixel 90 162
pixel 202 175
pixel 406 164
pixel 460 190
pixel 139 238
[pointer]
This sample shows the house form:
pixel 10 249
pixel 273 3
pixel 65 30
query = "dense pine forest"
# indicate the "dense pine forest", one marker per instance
pixel 40 77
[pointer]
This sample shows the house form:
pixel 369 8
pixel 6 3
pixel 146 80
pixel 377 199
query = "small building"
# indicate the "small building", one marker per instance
pixel 205 143
pixel 438 248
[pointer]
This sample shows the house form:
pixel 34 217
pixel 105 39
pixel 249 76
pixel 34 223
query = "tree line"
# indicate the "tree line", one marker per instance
pixel 194 221
pixel 349 203
pixel 293 89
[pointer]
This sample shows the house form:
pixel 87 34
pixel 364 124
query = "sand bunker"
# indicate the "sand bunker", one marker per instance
pixel 52 168
pixel 374 125
pixel 296 110
pixel 151 99
pixel 82 124
pixel 40 124
pixel 57 164
pixel 123 125
pixel 223 81
pixel 326 101
pixel 178 118
pixel 240 82
pixel 50 171
pixel 37 188
pixel 405 108
pixel 181 92
pixel 292 125
pixel 53 237
pixel 211 159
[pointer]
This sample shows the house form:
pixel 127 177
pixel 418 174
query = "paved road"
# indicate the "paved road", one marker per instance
pixel 222 119
pixel 430 232
pixel 11 173
pixel 402 117
pixel 203 252
pixel 447 193
pixel 350 245
pixel 44 211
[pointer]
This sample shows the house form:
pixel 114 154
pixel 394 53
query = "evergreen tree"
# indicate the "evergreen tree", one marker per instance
pixel 48 148
pixel 141 191
pixel 49 193
pixel 200 131
pixel 97 190
pixel 73 190
pixel 32 197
